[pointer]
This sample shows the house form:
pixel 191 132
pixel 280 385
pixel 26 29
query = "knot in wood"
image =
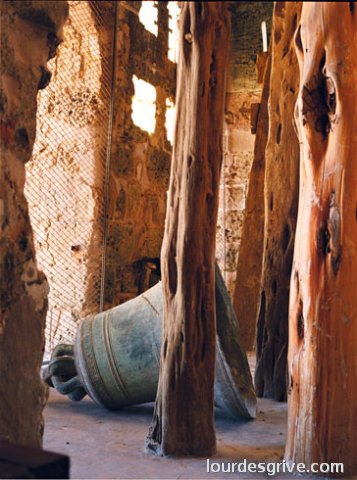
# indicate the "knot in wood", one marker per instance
pixel 188 37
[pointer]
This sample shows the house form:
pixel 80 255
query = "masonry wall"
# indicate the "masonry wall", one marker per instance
pixel 97 195
pixel 66 176
pixel 73 236
pixel 243 90
pixel 30 33
pixel 140 162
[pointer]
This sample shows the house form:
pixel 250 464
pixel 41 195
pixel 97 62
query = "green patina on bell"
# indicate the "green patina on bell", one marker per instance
pixel 116 356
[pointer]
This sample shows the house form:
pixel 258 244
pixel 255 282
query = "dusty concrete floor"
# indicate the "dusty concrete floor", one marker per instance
pixel 105 444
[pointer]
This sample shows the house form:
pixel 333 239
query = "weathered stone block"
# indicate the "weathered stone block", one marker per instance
pixel 122 161
pixel 233 225
pixel 232 257
pixel 120 204
pixel 124 279
pixel 121 244
pixel 235 197
pixel 109 285
pixel 153 241
pixel 158 165
pixel 240 141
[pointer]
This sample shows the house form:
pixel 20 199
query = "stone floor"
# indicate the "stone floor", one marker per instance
pixel 104 444
pixel 107 444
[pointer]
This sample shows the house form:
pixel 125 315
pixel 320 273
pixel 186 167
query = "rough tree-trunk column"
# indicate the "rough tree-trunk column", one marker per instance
pixel 281 199
pixel 29 37
pixel 249 268
pixel 322 414
pixel 183 417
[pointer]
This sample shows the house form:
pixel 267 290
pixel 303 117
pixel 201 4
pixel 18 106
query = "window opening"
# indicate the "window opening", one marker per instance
pixel 144 105
pixel 148 16
pixel 174 15
pixel 170 120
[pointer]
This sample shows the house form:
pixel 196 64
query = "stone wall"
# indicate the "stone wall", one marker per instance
pixel 66 177
pixel 98 226
pixel 243 90
pixel 30 33
pixel 68 168
pixel 140 162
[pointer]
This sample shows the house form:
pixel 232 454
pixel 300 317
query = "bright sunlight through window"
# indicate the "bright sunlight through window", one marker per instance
pixel 144 105
pixel 174 14
pixel 148 16
pixel 170 120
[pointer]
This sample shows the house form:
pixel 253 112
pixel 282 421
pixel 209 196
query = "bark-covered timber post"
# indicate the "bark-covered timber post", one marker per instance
pixel 249 268
pixel 281 191
pixel 322 414
pixel 183 421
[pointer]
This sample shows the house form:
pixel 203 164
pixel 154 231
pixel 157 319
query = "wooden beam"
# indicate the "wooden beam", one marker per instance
pixel 322 413
pixel 281 191
pixel 248 280
pixel 183 417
